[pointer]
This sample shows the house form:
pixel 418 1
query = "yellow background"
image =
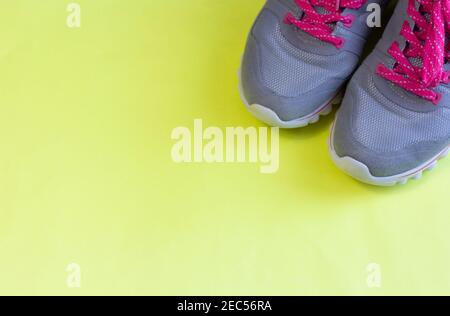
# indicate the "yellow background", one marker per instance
pixel 86 174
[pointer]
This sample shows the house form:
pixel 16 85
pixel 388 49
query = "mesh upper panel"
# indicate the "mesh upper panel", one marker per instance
pixel 288 71
pixel 383 126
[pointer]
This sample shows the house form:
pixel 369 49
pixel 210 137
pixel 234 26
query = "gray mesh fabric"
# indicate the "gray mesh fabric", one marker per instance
pixel 383 126
pixel 389 137
pixel 289 71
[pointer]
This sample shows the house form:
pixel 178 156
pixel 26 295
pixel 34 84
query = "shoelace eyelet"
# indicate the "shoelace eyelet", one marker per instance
pixel 340 43
pixel 437 99
pixel 446 78
pixel 349 19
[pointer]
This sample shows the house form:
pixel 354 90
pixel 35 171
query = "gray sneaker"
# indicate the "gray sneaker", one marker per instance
pixel 298 57
pixel 394 122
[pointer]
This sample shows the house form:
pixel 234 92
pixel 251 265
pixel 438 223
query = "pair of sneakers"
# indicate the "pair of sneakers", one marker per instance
pixel 394 120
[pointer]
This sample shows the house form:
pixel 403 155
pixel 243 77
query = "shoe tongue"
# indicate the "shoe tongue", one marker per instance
pixel 321 11
pixel 416 61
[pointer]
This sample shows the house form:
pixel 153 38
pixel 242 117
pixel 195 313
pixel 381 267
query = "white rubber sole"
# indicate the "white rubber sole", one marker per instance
pixel 271 118
pixel 361 172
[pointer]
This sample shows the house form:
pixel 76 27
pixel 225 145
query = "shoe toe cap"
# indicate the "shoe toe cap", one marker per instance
pixel 381 136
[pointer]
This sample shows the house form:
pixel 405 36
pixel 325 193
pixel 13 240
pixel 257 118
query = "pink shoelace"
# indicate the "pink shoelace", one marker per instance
pixel 317 24
pixel 425 42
